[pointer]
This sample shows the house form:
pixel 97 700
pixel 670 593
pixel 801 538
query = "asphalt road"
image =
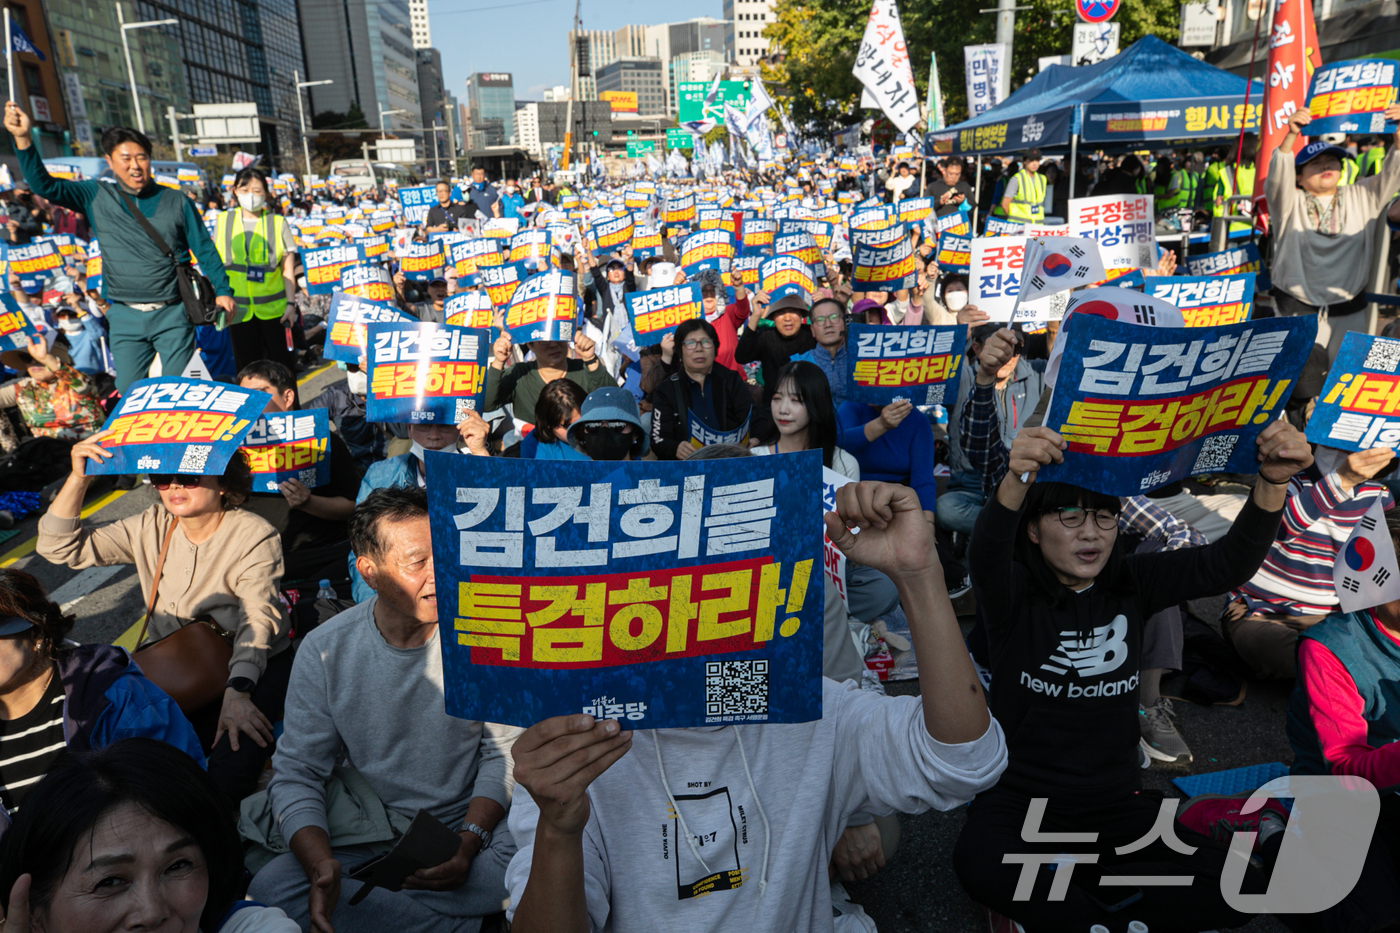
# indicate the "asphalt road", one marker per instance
pixel 917 890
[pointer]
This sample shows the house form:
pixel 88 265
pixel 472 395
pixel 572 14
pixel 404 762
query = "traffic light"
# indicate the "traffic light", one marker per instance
pixel 631 132
pixel 595 132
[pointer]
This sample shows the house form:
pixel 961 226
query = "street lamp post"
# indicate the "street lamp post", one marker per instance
pixel 301 114
pixel 384 113
pixel 126 50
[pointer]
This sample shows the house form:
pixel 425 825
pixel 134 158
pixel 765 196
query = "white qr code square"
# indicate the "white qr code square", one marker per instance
pixel 1215 453
pixel 934 395
pixel 1383 355
pixel 194 458
pixel 307 477
pixel 464 405
pixel 736 688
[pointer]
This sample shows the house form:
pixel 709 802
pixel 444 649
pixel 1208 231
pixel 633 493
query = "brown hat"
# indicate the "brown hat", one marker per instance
pixel 787 303
pixel 19 360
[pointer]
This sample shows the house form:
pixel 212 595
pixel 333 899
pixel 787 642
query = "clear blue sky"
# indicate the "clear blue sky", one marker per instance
pixel 530 38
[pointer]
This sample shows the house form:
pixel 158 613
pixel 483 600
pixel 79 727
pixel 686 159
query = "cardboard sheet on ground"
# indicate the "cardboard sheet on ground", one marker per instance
pixel 1359 407
pixel 919 364
pixel 289 445
pixel 174 425
pixel 1206 300
pixel 1351 97
pixel 1143 406
pixel 659 311
pixel 660 594
pixel 425 373
pixel 346 323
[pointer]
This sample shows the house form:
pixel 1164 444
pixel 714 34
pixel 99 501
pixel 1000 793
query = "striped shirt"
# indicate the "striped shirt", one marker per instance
pixel 1296 578
pixel 29 745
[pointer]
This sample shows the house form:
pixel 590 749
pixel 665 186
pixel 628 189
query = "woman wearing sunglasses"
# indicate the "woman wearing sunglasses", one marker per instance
pixel 1064 608
pixel 223 566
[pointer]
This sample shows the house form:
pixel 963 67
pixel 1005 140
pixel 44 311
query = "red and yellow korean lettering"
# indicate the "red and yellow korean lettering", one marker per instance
pixel 1371 393
pixel 279 458
pixel 12 322
pixel 913 371
pixel 626 618
pixel 662 318
pixel 541 308
pixel 895 270
pixel 1210 316
pixel 169 427
pixel 1355 100
pixel 478 317
pixel 372 291
pixel 437 378
pixel 421 263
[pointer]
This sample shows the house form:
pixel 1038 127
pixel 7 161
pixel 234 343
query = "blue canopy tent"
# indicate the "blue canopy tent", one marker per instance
pixel 1151 91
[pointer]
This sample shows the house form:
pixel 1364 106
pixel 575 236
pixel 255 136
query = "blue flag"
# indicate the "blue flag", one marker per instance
pixel 20 42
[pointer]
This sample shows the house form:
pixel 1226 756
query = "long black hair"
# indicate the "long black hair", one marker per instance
pixel 1046 499
pixel 63 809
pixel 806 381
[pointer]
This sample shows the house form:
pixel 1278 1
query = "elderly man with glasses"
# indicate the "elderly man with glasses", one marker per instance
pixel 714 393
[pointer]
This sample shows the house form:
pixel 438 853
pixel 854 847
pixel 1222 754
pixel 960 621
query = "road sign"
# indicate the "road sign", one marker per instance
pixel 677 138
pixel 640 148
pixel 227 123
pixel 1096 11
pixel 690 98
pixel 1094 42
pixel 203 152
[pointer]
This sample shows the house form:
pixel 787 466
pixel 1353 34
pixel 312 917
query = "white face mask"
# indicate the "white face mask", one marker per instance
pixel 70 325
pixel 251 201
pixel 419 452
pixel 357 382
pixel 956 301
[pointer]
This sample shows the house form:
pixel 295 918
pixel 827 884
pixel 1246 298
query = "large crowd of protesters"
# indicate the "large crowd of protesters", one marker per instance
pixel 266 797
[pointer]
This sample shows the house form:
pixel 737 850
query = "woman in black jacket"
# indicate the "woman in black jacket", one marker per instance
pixel 717 395
pixel 1064 610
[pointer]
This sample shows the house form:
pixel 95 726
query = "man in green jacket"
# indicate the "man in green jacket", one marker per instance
pixel 146 315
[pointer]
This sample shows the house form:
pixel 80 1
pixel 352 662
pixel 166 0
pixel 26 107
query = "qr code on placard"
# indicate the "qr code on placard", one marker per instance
pixel 736 688
pixel 1215 453
pixel 934 395
pixel 307 477
pixel 1383 355
pixel 464 405
pixel 194 458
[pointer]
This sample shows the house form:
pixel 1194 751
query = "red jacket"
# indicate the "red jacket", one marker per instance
pixel 727 327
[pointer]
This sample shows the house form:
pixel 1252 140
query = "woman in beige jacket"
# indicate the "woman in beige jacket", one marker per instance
pixel 224 565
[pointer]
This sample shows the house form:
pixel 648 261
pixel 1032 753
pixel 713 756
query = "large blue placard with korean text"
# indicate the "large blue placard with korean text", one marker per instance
pixel 659 594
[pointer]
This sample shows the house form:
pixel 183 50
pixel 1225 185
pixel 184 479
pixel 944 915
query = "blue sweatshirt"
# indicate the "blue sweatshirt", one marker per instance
pixel 904 455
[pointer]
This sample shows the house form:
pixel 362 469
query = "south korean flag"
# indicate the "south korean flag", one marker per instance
pixel 1059 263
pixel 1366 573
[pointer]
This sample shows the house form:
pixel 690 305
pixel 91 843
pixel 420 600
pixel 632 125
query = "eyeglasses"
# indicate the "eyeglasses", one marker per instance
pixel 1073 516
pixel 163 481
pixel 698 344
pixel 827 318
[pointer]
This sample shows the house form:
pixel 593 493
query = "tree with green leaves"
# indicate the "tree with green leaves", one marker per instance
pixel 819 39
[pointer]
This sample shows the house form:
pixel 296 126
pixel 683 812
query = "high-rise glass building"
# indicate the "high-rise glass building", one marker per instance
pixel 491 97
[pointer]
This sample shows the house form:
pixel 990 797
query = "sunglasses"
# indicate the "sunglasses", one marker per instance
pixel 163 481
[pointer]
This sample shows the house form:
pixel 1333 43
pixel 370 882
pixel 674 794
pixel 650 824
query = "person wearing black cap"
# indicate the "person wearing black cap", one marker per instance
pixel 1324 232
pixel 431 311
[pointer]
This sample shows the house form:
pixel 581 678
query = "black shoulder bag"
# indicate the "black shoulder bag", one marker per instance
pixel 195 291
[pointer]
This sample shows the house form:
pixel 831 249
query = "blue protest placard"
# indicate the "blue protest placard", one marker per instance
pixel 544 307
pixel 1204 300
pixel 1144 406
pixel 174 425
pixel 367 280
pixel 877 268
pixel 346 323
pixel 466 256
pixel 425 373
pixel 417 201
pixel 501 281
pixel 798 243
pixel 323 266
pixel 611 236
pixel 706 245
pixel 1358 406
pixel 469 309
pixel 15 326
pixel 786 275
pixel 646 243
pixel 703 435
pixel 372 247
pixel 289 445
pixel 954 253
pixel 661 594
pixel 1236 259
pixel 1351 97
pixel 423 262
pixel 758 232
pixel 34 264
pixel 917 364
pixel 659 311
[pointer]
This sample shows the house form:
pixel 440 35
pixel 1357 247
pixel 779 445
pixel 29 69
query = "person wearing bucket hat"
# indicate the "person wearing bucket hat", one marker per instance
pixel 609 427
pixel 54 399
pixel 776 331
pixel 1324 232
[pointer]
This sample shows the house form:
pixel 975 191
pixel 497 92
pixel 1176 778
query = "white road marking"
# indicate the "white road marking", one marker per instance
pixel 84 583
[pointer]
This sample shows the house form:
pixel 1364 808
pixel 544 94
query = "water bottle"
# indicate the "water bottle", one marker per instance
pixel 325 591
pixel 1098 928
pixel 1137 926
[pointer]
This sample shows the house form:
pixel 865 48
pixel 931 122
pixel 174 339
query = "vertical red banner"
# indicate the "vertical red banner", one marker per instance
pixel 1293 57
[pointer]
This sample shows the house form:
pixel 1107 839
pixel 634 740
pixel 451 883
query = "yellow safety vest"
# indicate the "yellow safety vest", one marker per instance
pixel 1350 170
pixel 1232 180
pixel 253 264
pixel 1184 197
pixel 1028 207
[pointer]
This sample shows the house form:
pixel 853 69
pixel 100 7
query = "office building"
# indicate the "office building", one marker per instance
pixel 366 48
pixel 38 88
pixel 697 66
pixel 745 23
pixel 670 41
pixel 558 92
pixel 644 77
pixel 589 50
pixel 433 100
pixel 491 97
pixel 1346 29
pixel 418 24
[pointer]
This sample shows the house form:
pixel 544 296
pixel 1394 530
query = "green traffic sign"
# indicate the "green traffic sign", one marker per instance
pixel 690 98
pixel 677 138
pixel 639 148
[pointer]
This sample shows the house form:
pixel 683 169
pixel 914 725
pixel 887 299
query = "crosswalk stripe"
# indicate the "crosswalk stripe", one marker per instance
pixel 83 583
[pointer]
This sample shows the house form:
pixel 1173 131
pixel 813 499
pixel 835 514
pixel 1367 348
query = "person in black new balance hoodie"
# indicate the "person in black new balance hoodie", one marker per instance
pixel 1064 609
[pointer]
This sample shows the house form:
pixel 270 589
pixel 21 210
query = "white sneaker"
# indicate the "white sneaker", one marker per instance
pixel 848 917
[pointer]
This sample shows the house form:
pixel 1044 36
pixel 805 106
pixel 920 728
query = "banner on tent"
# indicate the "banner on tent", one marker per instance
pixel 1183 118
pixel 1013 135
pixel 1143 406
pixel 551 606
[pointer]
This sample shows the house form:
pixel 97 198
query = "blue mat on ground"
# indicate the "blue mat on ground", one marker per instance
pixel 1234 781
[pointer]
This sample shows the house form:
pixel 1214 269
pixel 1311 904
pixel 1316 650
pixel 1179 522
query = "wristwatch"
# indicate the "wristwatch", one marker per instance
pixel 483 834
pixel 242 684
